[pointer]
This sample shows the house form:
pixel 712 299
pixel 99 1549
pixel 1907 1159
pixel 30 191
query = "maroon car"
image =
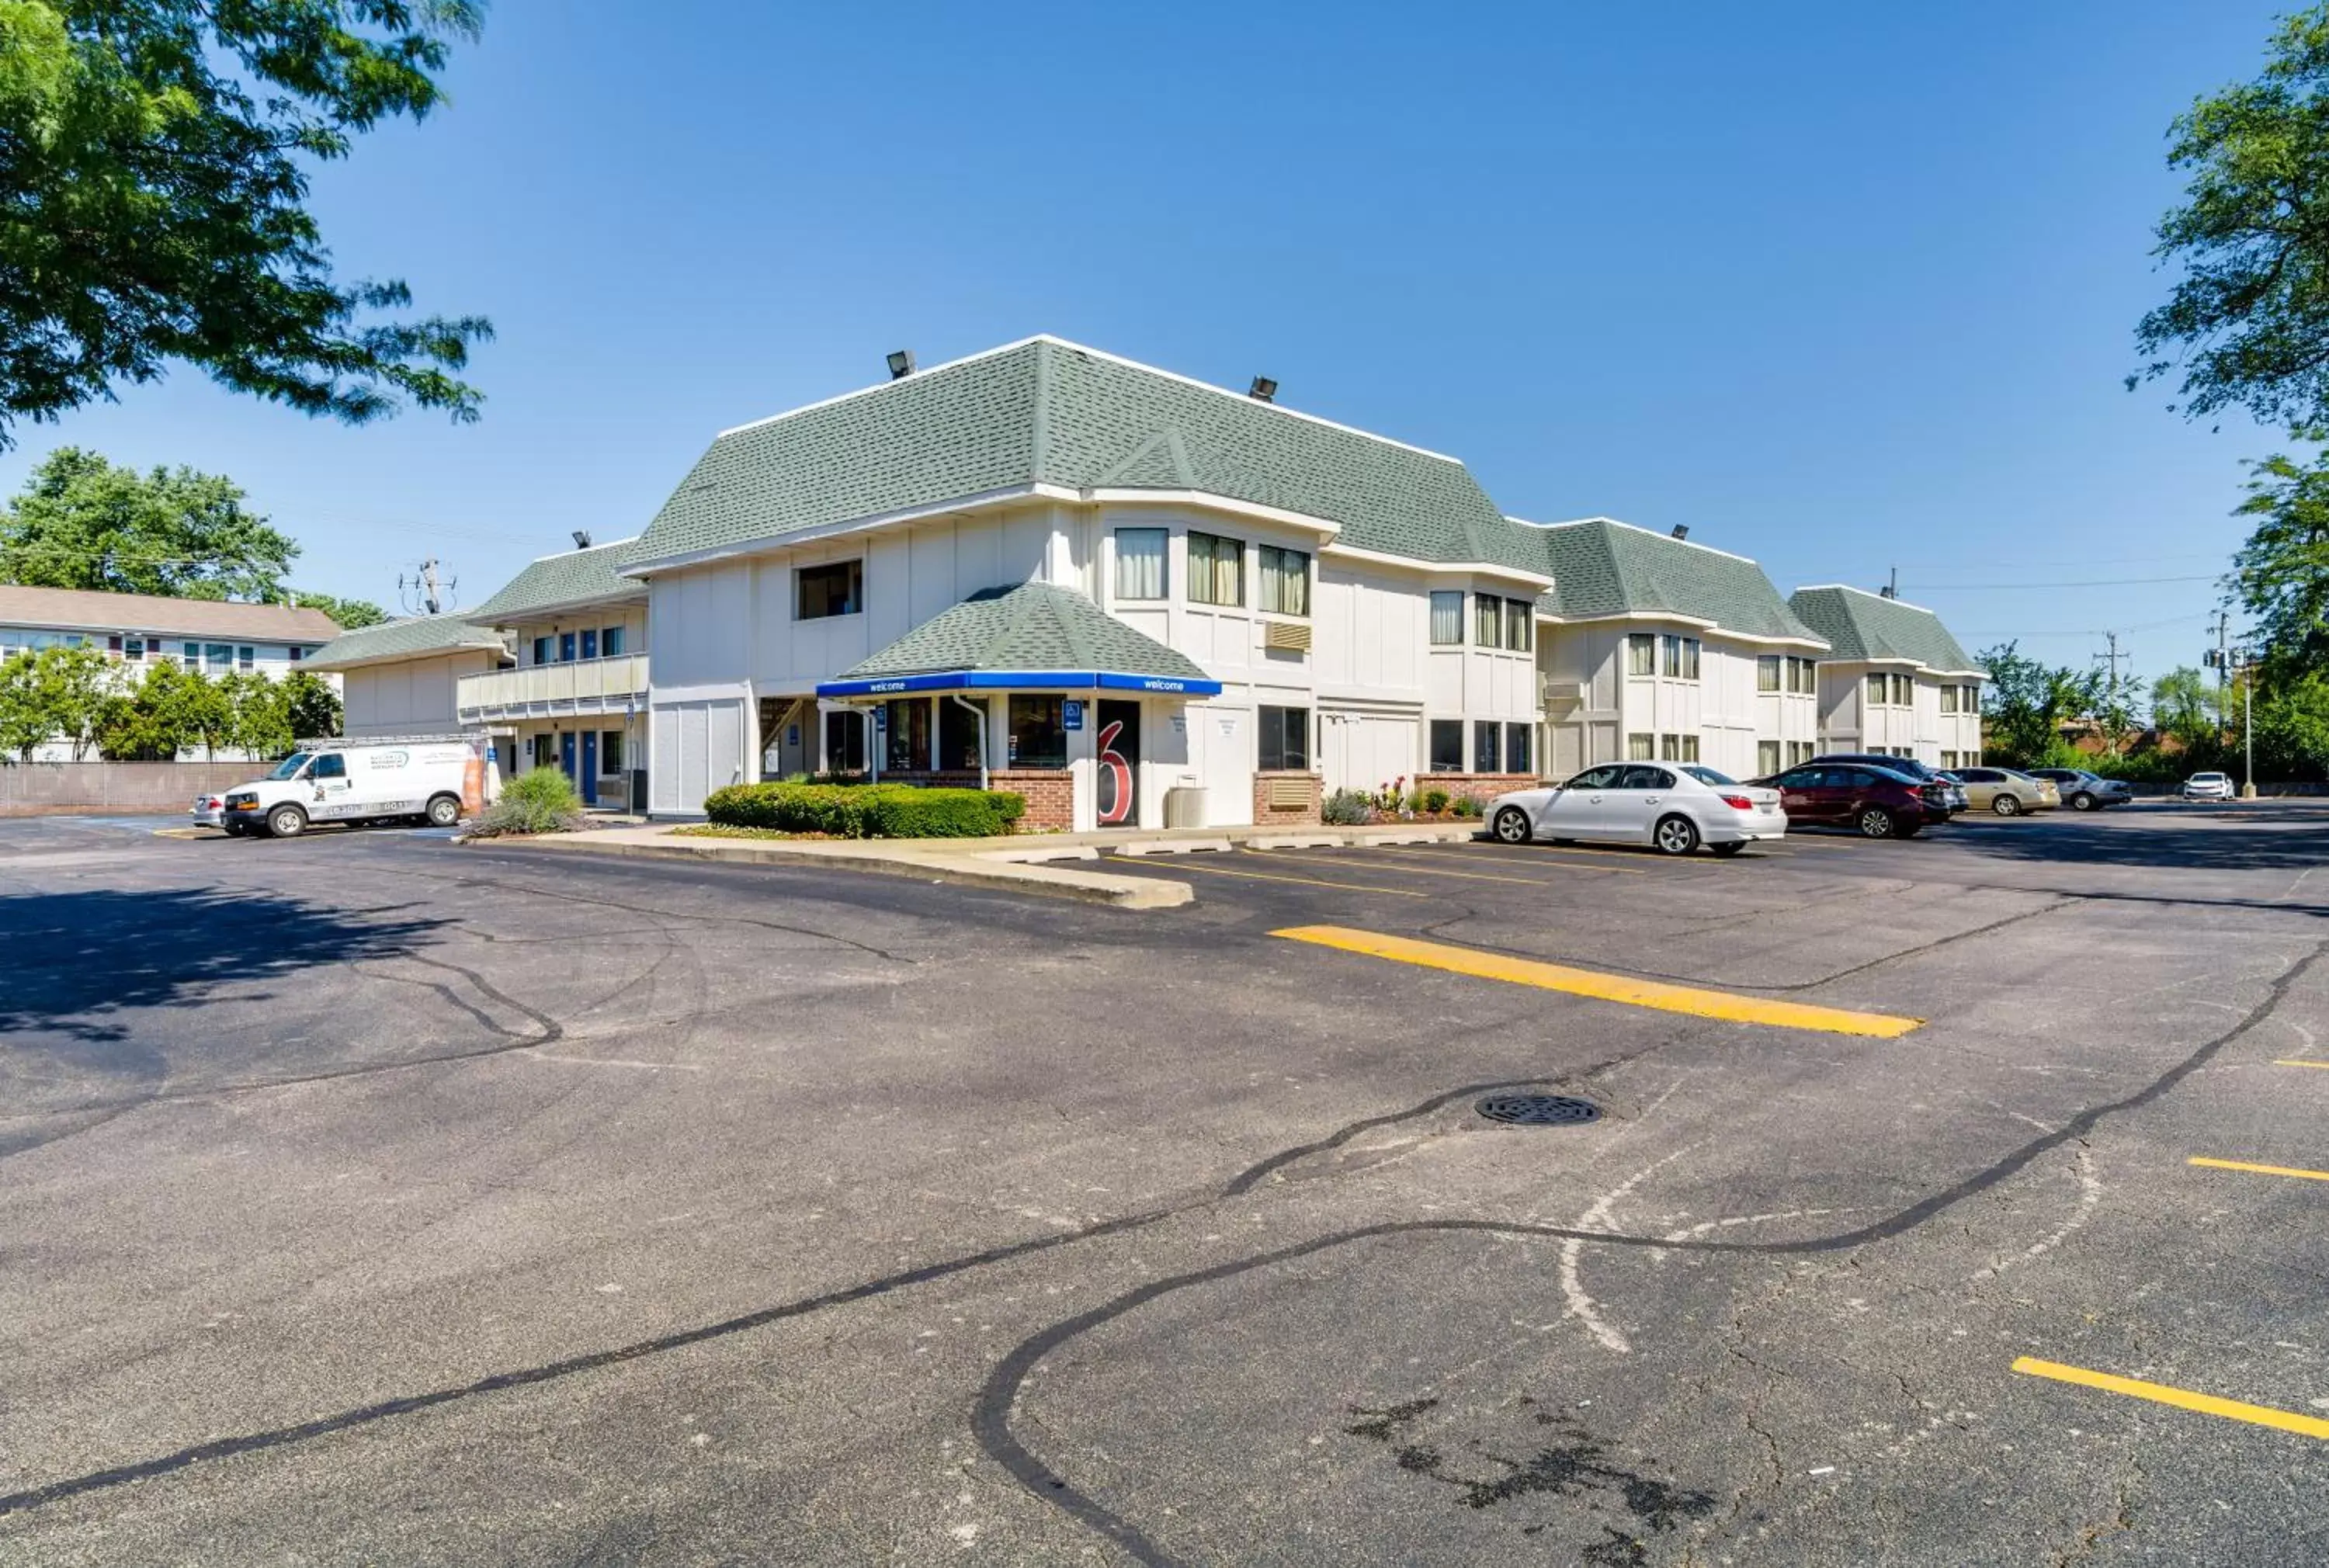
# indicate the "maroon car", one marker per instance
pixel 1873 802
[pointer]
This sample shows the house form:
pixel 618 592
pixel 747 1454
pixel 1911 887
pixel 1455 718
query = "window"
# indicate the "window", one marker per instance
pixel 1877 690
pixel 1799 751
pixel 1948 699
pixel 1216 569
pixel 1902 691
pixel 1690 748
pixel 1285 739
pixel 844 741
pixel 1596 779
pixel 1690 658
pixel 1488 755
pixel 1767 757
pixel 218 655
pixel 1681 662
pixel 906 747
pixel 296 652
pixel 1446 621
pixel 1767 671
pixel 962 735
pixel 1285 580
pixel 610 641
pixel 1140 563
pixel 590 643
pixel 1645 778
pixel 1641 654
pixel 566 647
pixel 1517 738
pixel 1447 736
pixel 134 650
pixel 1972 699
pixel 541 650
pixel 1487 621
pixel 1640 748
pixel 244 658
pixel 330 764
pixel 193 653
pixel 1520 630
pixel 611 751
pixel 1802 677
pixel 821 592
pixel 1039 733
pixel 545 751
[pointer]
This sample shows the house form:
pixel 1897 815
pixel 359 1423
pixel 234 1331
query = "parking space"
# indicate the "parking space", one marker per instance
pixel 1959 1195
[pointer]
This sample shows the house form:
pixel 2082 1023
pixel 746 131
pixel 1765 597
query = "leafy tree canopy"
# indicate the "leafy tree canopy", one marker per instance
pixel 346 614
pixel 2281 574
pixel 154 165
pixel 2027 702
pixel 2183 704
pixel 82 522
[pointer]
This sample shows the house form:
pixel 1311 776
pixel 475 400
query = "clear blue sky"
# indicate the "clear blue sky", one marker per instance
pixel 1842 287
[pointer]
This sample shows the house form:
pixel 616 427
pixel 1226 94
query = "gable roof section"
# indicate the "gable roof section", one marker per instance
pixel 1601 567
pixel 1031 628
pixel 573 577
pixel 1862 625
pixel 416 637
pixel 85 609
pixel 1048 412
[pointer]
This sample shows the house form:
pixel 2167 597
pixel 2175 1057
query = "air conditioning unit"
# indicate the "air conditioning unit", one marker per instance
pixel 1551 691
pixel 1294 635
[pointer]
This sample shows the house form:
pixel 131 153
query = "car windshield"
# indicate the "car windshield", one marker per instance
pixel 1707 775
pixel 289 766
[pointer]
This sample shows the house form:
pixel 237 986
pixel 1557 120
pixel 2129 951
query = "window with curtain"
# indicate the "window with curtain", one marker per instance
pixel 1879 690
pixel 1517 747
pixel 1689 657
pixel 1520 630
pixel 1448 622
pixel 1972 699
pixel 1448 742
pixel 1670 748
pixel 1903 690
pixel 1767 757
pixel 1039 733
pixel 1487 621
pixel 1140 563
pixel 907 748
pixel 1639 747
pixel 1690 748
pixel 1216 569
pixel 1670 657
pixel 1487 749
pixel 1285 580
pixel 1641 654
pixel 1285 739
pixel 1948 699
pixel 1766 672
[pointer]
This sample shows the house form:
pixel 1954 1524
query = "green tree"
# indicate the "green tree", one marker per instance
pixel 2292 729
pixel 82 522
pixel 155 156
pixel 2247 325
pixel 311 707
pixel 346 614
pixel 2281 574
pixel 54 694
pixel 2183 704
pixel 151 720
pixel 257 721
pixel 2027 704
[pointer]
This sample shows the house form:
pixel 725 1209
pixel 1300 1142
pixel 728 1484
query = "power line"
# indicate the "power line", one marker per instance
pixel 2086 582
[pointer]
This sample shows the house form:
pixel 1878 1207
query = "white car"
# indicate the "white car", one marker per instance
pixel 2208 786
pixel 1674 806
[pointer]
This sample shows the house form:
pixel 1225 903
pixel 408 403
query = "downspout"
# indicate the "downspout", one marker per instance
pixel 876 737
pixel 971 707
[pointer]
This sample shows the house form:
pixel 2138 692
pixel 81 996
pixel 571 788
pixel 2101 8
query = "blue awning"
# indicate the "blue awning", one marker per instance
pixel 1020 680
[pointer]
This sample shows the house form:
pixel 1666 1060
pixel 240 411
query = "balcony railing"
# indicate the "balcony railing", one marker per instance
pixel 578 685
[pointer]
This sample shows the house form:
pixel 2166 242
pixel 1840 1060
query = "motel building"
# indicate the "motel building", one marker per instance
pixel 1895 681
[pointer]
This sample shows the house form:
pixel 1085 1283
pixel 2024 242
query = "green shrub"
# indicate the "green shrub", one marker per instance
pixel 1435 799
pixel 541 801
pixel 1468 806
pixel 866 811
pixel 1346 808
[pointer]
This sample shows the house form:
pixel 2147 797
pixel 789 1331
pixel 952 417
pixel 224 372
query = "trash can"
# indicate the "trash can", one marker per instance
pixel 1184 807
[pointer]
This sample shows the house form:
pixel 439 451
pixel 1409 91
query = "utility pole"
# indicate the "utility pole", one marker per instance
pixel 423 582
pixel 2112 658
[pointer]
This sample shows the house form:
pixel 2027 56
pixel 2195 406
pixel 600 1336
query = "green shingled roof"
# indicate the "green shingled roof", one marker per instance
pixel 1863 625
pixel 1032 626
pixel 1049 412
pixel 1601 567
pixel 574 577
pixel 415 638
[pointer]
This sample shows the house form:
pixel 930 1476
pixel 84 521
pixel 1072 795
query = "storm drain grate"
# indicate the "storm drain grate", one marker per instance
pixel 1539 1110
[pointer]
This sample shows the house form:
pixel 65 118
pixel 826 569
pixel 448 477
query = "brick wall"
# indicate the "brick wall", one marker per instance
pixel 1050 793
pixel 1306 815
pixel 1483 787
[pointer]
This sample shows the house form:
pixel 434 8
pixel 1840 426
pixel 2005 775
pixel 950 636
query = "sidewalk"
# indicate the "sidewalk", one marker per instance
pixel 1024 864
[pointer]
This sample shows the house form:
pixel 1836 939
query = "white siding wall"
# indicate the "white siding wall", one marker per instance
pixel 1723 708
pixel 414 697
pixel 1849 721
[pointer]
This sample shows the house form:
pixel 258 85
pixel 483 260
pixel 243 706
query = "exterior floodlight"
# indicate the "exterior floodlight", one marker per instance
pixel 901 364
pixel 1681 530
pixel 1263 390
pixel 581 538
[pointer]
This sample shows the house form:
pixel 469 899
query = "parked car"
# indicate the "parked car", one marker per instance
pixel 2208 786
pixel 1874 802
pixel 2085 792
pixel 1676 808
pixel 349 781
pixel 2004 791
pixel 1953 794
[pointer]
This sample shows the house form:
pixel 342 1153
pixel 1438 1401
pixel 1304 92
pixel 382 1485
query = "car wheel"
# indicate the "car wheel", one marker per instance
pixel 1876 822
pixel 287 823
pixel 1675 835
pixel 1727 850
pixel 444 811
pixel 2083 802
pixel 2006 805
pixel 1512 826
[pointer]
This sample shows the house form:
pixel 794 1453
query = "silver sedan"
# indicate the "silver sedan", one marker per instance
pixel 1676 807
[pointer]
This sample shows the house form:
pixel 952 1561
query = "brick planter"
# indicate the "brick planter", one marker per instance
pixel 1482 787
pixel 1274 805
pixel 1050 794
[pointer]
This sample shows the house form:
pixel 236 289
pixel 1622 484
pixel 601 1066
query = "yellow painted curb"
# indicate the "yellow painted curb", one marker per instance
pixel 1649 993
pixel 2258 1170
pixel 2181 1398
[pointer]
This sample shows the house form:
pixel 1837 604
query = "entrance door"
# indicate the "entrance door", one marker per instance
pixel 589 780
pixel 566 753
pixel 1120 764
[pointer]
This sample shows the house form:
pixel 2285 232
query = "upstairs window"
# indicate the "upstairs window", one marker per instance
pixel 1216 569
pixel 541 650
pixel 821 592
pixel 1903 690
pixel 1487 625
pixel 1520 633
pixel 1949 698
pixel 1140 563
pixel 1767 671
pixel 1878 689
pixel 1641 654
pixel 1285 580
pixel 1803 675
pixel 1447 632
pixel 610 641
pixel 1681 662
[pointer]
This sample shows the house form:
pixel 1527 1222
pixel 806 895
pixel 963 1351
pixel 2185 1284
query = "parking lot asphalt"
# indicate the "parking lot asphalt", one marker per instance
pixel 366 1198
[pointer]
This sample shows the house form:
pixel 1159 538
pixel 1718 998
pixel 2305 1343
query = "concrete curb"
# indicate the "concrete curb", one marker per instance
pixel 965 870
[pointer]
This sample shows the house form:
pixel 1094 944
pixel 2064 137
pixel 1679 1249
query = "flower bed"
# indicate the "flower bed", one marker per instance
pixel 1396 802
pixel 865 810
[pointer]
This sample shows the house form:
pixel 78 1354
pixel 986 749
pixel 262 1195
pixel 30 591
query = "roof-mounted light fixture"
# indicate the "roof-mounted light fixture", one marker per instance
pixel 1681 530
pixel 581 538
pixel 901 364
pixel 1263 390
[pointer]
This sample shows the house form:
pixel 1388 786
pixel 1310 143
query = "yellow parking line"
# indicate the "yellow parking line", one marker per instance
pixel 1416 870
pixel 2181 1398
pixel 1649 993
pixel 1588 855
pixel 2297 1064
pixel 2260 1170
pixel 1556 865
pixel 1310 881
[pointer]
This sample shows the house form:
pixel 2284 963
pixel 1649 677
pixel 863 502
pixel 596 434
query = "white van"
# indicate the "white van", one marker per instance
pixel 351 781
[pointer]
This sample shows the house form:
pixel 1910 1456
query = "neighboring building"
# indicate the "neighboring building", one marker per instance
pixel 400 677
pixel 575 698
pixel 1229 595
pixel 1895 680
pixel 1661 650
pixel 216 636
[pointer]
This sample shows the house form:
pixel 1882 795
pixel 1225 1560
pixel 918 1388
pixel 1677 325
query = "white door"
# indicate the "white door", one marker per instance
pixel 1367 751
pixel 1581 809
pixel 1637 802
